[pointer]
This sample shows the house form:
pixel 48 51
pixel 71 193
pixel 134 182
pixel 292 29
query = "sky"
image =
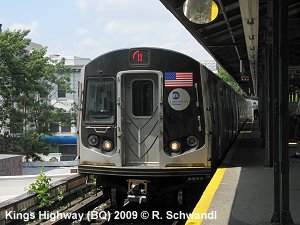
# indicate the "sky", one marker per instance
pixel 89 28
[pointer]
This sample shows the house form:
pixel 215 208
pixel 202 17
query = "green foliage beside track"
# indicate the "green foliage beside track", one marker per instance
pixel 230 81
pixel 42 188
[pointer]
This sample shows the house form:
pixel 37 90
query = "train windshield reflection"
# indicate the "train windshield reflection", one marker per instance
pixel 100 98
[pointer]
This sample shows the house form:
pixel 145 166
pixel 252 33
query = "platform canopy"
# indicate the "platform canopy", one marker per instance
pixel 237 36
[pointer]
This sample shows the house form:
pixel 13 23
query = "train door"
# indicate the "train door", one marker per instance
pixel 223 131
pixel 138 119
pixel 230 115
pixel 236 125
pixel 227 117
pixel 215 123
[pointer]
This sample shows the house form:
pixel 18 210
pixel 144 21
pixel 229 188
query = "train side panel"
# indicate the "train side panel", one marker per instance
pixel 226 113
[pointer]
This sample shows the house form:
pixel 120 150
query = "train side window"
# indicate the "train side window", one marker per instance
pixel 142 98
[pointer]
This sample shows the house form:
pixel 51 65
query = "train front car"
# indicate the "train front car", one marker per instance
pixel 142 124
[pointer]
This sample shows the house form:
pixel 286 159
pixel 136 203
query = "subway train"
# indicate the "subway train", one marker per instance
pixel 153 122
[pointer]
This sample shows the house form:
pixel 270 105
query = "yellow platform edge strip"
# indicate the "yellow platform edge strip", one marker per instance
pixel 206 198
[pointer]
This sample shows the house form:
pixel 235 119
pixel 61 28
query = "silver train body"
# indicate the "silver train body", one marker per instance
pixel 153 121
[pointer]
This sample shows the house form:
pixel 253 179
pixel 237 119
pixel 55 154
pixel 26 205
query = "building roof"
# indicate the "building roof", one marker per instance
pixel 33 46
pixel 71 60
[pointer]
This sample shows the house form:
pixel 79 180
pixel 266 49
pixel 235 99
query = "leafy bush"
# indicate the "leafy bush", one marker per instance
pixel 42 188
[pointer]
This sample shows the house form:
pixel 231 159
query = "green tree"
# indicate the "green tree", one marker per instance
pixel 27 80
pixel 230 81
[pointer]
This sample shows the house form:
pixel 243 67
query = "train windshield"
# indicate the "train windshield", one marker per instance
pixel 100 101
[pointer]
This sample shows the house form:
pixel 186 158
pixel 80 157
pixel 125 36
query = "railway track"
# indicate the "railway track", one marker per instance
pixel 24 208
pixel 103 214
pixel 93 208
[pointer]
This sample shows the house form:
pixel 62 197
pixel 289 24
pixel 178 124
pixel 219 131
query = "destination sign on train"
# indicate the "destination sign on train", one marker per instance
pixel 139 57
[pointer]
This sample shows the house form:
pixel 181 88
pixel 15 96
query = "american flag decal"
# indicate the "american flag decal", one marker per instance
pixel 178 79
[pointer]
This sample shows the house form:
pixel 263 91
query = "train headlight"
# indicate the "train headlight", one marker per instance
pixel 174 146
pixel 192 141
pixel 107 145
pixel 93 140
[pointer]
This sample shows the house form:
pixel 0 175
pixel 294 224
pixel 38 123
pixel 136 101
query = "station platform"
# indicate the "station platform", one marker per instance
pixel 241 191
pixel 13 186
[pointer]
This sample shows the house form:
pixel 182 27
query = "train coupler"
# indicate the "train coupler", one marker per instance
pixel 137 190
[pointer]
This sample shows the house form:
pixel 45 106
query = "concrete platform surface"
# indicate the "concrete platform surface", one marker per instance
pixel 12 186
pixel 245 194
pixel 7 156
